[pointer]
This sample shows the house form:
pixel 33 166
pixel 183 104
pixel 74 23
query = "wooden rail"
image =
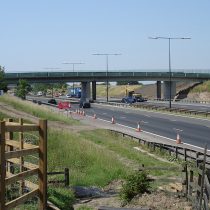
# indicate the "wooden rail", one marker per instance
pixel 13 152
pixel 65 180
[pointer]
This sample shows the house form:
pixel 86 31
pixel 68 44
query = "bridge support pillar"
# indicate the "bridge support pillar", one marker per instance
pixel 94 90
pixel 167 89
pixel 158 89
pixel 85 92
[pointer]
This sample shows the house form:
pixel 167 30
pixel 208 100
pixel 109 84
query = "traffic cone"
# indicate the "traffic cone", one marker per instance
pixel 178 139
pixel 138 128
pixel 113 121
pixel 94 116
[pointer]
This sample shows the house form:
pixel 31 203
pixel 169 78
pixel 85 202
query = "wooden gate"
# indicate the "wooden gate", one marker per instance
pixel 13 152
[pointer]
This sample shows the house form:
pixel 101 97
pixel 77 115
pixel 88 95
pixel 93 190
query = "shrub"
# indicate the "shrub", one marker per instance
pixel 136 183
pixel 61 197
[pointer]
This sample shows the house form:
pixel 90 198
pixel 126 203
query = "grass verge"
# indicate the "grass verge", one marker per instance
pixel 37 110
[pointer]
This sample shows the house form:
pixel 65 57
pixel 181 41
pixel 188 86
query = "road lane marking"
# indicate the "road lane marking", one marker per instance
pixel 122 117
pixel 151 133
pixel 146 115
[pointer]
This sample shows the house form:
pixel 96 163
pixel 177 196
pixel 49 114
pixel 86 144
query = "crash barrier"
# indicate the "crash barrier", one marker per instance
pixel 54 180
pixel 182 101
pixel 159 108
pixel 176 150
pixel 22 179
pixel 196 184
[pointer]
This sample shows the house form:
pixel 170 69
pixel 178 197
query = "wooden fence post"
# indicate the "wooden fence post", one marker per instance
pixel 43 164
pixel 2 166
pixel 21 142
pixel 191 181
pixel 66 174
pixel 9 136
pixel 202 178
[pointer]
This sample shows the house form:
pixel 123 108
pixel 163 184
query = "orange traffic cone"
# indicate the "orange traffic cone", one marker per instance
pixel 94 116
pixel 113 121
pixel 138 127
pixel 178 139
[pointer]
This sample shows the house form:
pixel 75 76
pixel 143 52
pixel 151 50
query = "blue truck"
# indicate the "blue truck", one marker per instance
pixel 74 93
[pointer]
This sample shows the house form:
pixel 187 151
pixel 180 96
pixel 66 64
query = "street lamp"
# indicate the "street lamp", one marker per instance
pixel 169 57
pixel 73 63
pixel 107 70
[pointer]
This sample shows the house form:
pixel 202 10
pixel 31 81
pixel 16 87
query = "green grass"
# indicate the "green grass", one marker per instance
pixel 89 164
pixel 205 87
pixel 37 110
pixel 2 116
pixel 116 91
pixel 125 148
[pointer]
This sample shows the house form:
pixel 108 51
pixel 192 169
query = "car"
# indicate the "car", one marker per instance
pixel 140 99
pixel 68 96
pixel 128 100
pixel 52 101
pixel 84 104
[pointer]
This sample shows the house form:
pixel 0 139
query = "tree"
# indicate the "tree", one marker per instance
pixel 3 84
pixel 22 89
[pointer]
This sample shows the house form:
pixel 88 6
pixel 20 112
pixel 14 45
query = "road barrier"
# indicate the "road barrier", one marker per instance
pixel 113 120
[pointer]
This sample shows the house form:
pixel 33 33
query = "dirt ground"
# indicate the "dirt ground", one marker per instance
pixel 164 198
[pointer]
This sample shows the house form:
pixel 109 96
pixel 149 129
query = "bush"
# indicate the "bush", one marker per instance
pixel 61 197
pixel 136 183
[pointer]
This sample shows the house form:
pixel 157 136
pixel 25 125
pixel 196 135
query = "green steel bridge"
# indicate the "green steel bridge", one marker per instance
pixel 53 77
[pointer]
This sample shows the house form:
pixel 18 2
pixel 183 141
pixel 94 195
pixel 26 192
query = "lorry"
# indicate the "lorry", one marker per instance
pixel 74 93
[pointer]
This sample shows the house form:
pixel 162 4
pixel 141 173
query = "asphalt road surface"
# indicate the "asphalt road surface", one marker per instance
pixel 191 130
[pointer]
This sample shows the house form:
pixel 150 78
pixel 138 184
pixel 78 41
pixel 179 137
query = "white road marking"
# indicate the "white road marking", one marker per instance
pixel 122 117
pixel 147 115
pixel 152 134
pixel 104 113
pixel 173 120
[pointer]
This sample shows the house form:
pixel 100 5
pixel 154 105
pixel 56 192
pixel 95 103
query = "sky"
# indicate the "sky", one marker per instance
pixel 41 35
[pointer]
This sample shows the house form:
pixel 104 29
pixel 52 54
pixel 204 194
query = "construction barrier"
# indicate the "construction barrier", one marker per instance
pixel 138 129
pixel 64 105
pixel 113 120
pixel 178 139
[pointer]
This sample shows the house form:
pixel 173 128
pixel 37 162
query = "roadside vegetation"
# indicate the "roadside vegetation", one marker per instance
pixel 94 158
pixel 117 91
pixel 33 109
pixel 205 87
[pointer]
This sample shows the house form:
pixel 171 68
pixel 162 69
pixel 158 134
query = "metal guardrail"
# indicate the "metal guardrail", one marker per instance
pixel 178 151
pixel 159 108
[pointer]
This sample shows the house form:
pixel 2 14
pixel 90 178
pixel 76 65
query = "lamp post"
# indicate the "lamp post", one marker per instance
pixel 169 58
pixel 107 70
pixel 73 63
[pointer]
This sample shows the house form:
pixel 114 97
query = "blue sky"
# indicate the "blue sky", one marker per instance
pixel 41 34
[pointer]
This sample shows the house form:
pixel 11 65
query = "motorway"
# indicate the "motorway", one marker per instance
pixel 192 130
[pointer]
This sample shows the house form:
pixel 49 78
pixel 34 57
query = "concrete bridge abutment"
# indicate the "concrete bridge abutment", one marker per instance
pixel 166 89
